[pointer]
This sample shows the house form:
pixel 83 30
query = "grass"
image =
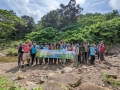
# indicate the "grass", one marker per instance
pixel 110 80
pixel 6 85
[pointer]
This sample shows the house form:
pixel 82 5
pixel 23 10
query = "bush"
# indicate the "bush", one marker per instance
pixel 12 51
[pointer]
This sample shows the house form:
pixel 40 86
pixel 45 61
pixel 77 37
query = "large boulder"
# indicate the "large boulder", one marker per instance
pixel 114 49
pixel 66 79
pixel 67 69
pixel 51 85
pixel 89 86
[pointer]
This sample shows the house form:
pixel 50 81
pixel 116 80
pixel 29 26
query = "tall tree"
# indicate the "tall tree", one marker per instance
pixel 51 19
pixel 69 13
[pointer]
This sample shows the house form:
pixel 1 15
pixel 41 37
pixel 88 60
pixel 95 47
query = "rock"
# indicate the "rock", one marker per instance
pixel 109 56
pixel 29 83
pixel 43 79
pixel 89 86
pixel 66 79
pixel 103 66
pixel 114 55
pixel 50 74
pixel 84 67
pixel 51 85
pixel 67 69
pixel 20 77
pixel 118 55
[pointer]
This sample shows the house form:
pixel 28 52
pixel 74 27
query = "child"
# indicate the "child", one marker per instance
pixel 92 54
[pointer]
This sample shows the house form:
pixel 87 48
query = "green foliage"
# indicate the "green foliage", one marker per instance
pixel 66 23
pixel 110 80
pixel 45 35
pixel 12 51
pixel 5 85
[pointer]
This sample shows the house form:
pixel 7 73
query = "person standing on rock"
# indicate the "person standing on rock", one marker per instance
pixel 92 54
pixel 20 54
pixel 26 54
pixel 102 48
pixel 40 60
pixel 81 53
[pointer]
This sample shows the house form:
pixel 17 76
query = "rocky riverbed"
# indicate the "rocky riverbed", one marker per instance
pixel 69 77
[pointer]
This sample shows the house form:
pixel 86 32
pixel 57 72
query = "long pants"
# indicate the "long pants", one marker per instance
pixel 19 58
pixel 76 59
pixel 46 60
pixel 85 56
pixel 101 55
pixel 81 58
pixel 88 55
pixel 98 54
pixel 58 60
pixel 50 60
pixel 33 56
pixel 55 60
pixel 92 59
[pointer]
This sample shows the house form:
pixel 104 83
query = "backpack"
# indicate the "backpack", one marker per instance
pixel 102 47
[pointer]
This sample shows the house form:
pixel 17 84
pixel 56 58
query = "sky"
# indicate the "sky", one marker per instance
pixel 38 8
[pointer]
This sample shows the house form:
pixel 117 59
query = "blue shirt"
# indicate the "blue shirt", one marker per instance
pixel 92 50
pixel 63 46
pixel 33 49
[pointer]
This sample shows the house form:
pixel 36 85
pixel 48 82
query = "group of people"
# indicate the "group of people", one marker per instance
pixel 86 52
pixel 83 51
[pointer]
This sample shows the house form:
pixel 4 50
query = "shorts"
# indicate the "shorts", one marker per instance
pixel 26 56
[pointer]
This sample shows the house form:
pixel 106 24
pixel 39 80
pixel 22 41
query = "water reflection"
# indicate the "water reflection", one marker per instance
pixel 8 59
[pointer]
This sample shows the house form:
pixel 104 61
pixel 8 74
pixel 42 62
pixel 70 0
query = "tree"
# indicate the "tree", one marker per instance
pixel 50 20
pixel 8 20
pixel 69 13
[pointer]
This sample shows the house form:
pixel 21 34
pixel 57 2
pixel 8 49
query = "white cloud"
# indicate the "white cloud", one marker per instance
pixel 115 4
pixel 80 1
pixel 36 8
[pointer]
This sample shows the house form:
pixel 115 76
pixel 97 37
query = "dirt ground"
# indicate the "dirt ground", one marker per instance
pixel 89 73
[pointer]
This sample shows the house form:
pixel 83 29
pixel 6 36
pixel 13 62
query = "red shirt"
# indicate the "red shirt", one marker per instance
pixel 102 47
pixel 26 48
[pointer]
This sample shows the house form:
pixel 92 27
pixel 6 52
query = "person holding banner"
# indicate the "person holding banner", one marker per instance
pixel 68 49
pixel 51 47
pixel 40 46
pixel 46 48
pixel 58 48
pixel 63 61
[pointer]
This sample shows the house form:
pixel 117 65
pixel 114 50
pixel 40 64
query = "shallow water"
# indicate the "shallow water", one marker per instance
pixel 8 59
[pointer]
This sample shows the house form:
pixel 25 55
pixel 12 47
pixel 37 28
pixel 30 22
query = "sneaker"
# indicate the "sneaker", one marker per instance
pixel 28 64
pixel 22 66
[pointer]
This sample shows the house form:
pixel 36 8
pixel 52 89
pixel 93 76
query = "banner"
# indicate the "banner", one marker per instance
pixel 63 54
